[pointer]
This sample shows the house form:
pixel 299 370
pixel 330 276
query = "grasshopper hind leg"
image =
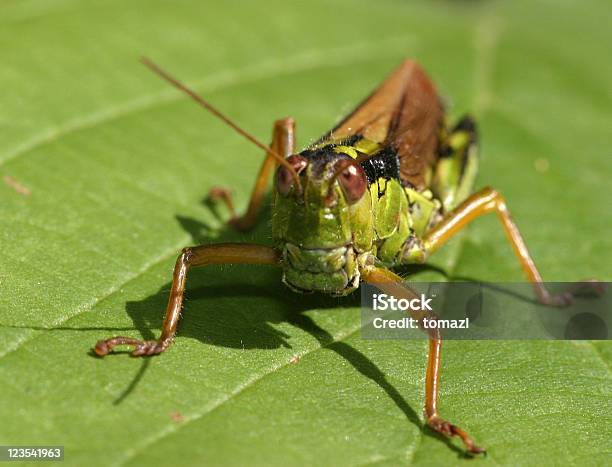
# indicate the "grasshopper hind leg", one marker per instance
pixel 283 143
pixel 456 169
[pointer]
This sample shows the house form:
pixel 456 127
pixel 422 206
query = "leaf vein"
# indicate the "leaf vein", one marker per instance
pixel 240 389
pixel 112 290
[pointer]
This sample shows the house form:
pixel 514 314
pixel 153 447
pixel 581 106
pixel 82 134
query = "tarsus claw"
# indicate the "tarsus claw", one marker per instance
pixel 450 430
pixel 141 348
pixel 567 298
pixel 101 349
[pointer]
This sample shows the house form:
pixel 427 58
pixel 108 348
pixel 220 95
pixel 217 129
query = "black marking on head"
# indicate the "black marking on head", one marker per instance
pixel 385 165
pixel 319 158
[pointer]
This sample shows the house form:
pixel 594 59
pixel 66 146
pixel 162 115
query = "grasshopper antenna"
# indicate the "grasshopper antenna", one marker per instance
pixel 200 100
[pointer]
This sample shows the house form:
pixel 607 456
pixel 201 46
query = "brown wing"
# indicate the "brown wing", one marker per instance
pixel 404 112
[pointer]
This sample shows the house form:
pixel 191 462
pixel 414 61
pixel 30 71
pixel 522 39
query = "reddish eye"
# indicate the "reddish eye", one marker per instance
pixel 352 180
pixel 284 179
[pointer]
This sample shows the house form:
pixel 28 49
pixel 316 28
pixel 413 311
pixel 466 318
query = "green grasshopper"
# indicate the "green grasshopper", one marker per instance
pixel 388 186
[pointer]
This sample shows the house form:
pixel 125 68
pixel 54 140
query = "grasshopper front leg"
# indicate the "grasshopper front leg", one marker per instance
pixel 283 143
pixel 223 253
pixel 392 284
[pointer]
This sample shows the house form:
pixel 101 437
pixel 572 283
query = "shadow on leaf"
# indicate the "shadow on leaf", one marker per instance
pixel 252 328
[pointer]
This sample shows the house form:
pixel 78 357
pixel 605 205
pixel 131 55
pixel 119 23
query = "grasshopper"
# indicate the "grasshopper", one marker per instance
pixel 387 186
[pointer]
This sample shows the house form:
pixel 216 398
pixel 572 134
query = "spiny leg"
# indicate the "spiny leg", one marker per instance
pixel 392 284
pixel 486 201
pixel 223 253
pixel 283 143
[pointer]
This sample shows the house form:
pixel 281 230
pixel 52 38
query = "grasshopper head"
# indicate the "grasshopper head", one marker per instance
pixel 316 227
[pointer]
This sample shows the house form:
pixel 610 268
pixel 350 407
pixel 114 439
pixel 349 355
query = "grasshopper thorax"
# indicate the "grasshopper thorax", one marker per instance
pixel 316 227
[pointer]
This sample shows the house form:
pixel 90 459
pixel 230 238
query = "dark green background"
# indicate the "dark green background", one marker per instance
pixel 118 164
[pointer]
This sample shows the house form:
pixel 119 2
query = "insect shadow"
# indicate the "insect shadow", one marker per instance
pixel 253 328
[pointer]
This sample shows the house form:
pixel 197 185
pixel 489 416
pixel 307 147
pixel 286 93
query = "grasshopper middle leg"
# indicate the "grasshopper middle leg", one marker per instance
pixel 486 201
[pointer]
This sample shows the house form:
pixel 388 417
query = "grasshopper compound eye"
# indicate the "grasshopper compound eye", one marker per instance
pixel 352 180
pixel 284 178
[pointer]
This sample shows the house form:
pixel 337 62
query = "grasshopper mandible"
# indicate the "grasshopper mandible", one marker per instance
pixel 387 186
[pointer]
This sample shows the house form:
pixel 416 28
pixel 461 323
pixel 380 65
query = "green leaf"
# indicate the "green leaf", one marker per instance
pixel 117 164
